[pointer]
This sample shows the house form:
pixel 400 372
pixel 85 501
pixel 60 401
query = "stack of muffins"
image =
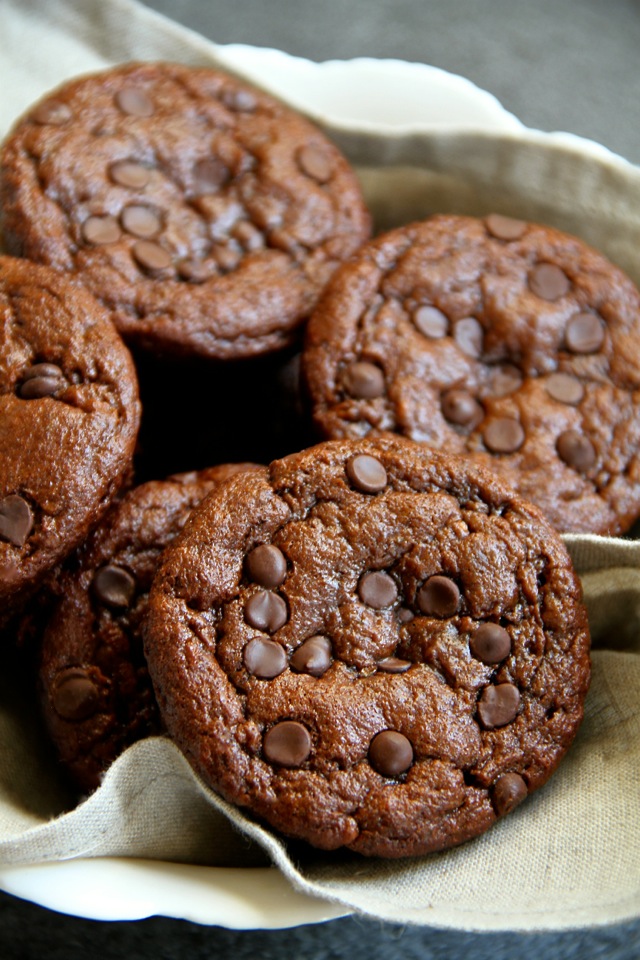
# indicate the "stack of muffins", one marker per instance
pixel 287 494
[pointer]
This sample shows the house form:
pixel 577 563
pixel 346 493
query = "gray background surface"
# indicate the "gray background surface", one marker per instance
pixel 558 65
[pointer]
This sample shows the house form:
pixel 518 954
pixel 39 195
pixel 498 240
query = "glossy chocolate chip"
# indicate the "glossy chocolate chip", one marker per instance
pixel 430 321
pixel 141 221
pixel 393 665
pixel 498 705
pixel 504 228
pixel 16 520
pixel 266 611
pixel 151 256
pixel 490 643
pixel 390 753
pixel 503 435
pixel 585 333
pixel 135 102
pixel 313 656
pixel 52 112
pixel 100 230
pixel 504 380
pixel 264 659
pixel 576 450
pixel 461 407
pixel 366 473
pixel 315 162
pixel 41 380
pixel 377 589
pixel 128 173
pixel 439 596
pixel 74 694
pixel 114 586
pixel 209 174
pixel 288 743
pixel 469 336
pixel 564 388
pixel 266 565
pixel 549 282
pixel 508 792
pixel 364 381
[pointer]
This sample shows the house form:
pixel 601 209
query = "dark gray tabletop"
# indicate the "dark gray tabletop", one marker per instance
pixel 558 65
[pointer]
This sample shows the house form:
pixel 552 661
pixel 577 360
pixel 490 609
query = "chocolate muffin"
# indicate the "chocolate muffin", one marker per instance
pixel 205 214
pixel 512 343
pixel 69 416
pixel 370 645
pixel 94 685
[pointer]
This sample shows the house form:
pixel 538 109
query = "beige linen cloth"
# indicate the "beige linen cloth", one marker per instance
pixel 570 855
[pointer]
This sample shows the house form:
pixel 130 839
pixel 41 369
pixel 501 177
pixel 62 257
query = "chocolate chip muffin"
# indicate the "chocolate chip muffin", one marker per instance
pixel 206 215
pixel 512 343
pixel 94 685
pixel 370 645
pixel 69 416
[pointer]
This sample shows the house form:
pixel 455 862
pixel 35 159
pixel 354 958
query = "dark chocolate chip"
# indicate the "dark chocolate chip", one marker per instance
pixel 266 611
pixel 366 473
pixel 490 643
pixel 313 656
pixel 52 112
pixel 393 665
pixel 264 659
pixel 209 174
pixel 390 753
pixel 74 694
pixel 504 228
pixel 267 565
pixel 505 380
pixel 430 321
pixel 405 615
pixel 41 380
pixel 151 256
pixel 503 435
pixel 288 743
pixel 100 230
pixel 461 407
pixel 16 520
pixel 128 173
pixel 114 586
pixel 585 333
pixel 314 161
pixel 548 281
pixel 141 221
pixel 576 450
pixel 498 705
pixel 363 380
pixel 469 336
pixel 564 388
pixel 377 589
pixel 135 102
pixel 439 597
pixel 509 791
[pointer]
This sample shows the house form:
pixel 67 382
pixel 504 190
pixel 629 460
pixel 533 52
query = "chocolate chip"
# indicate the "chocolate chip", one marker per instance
pixel 314 161
pixel 377 589
pixel 41 380
pixel 266 611
pixel 194 271
pixel 100 230
pixel 209 174
pixel 504 435
pixel 313 656
pixel 267 565
pixel 363 380
pixel 287 743
pixel 74 694
pixel 469 335
pixel 16 520
pixel 114 586
pixel 390 753
pixel 498 705
pixel 52 112
pixel 141 221
pixel 430 321
pixel 576 450
pixel 366 473
pixel 134 101
pixel 461 407
pixel 151 256
pixel 509 790
pixel 128 173
pixel 585 333
pixel 439 596
pixel 564 388
pixel 548 281
pixel 490 643
pixel 405 615
pixel 504 228
pixel 393 665
pixel 504 380
pixel 264 659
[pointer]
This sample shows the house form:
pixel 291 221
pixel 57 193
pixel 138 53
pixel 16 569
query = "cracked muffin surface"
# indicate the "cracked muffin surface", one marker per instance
pixel 370 644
